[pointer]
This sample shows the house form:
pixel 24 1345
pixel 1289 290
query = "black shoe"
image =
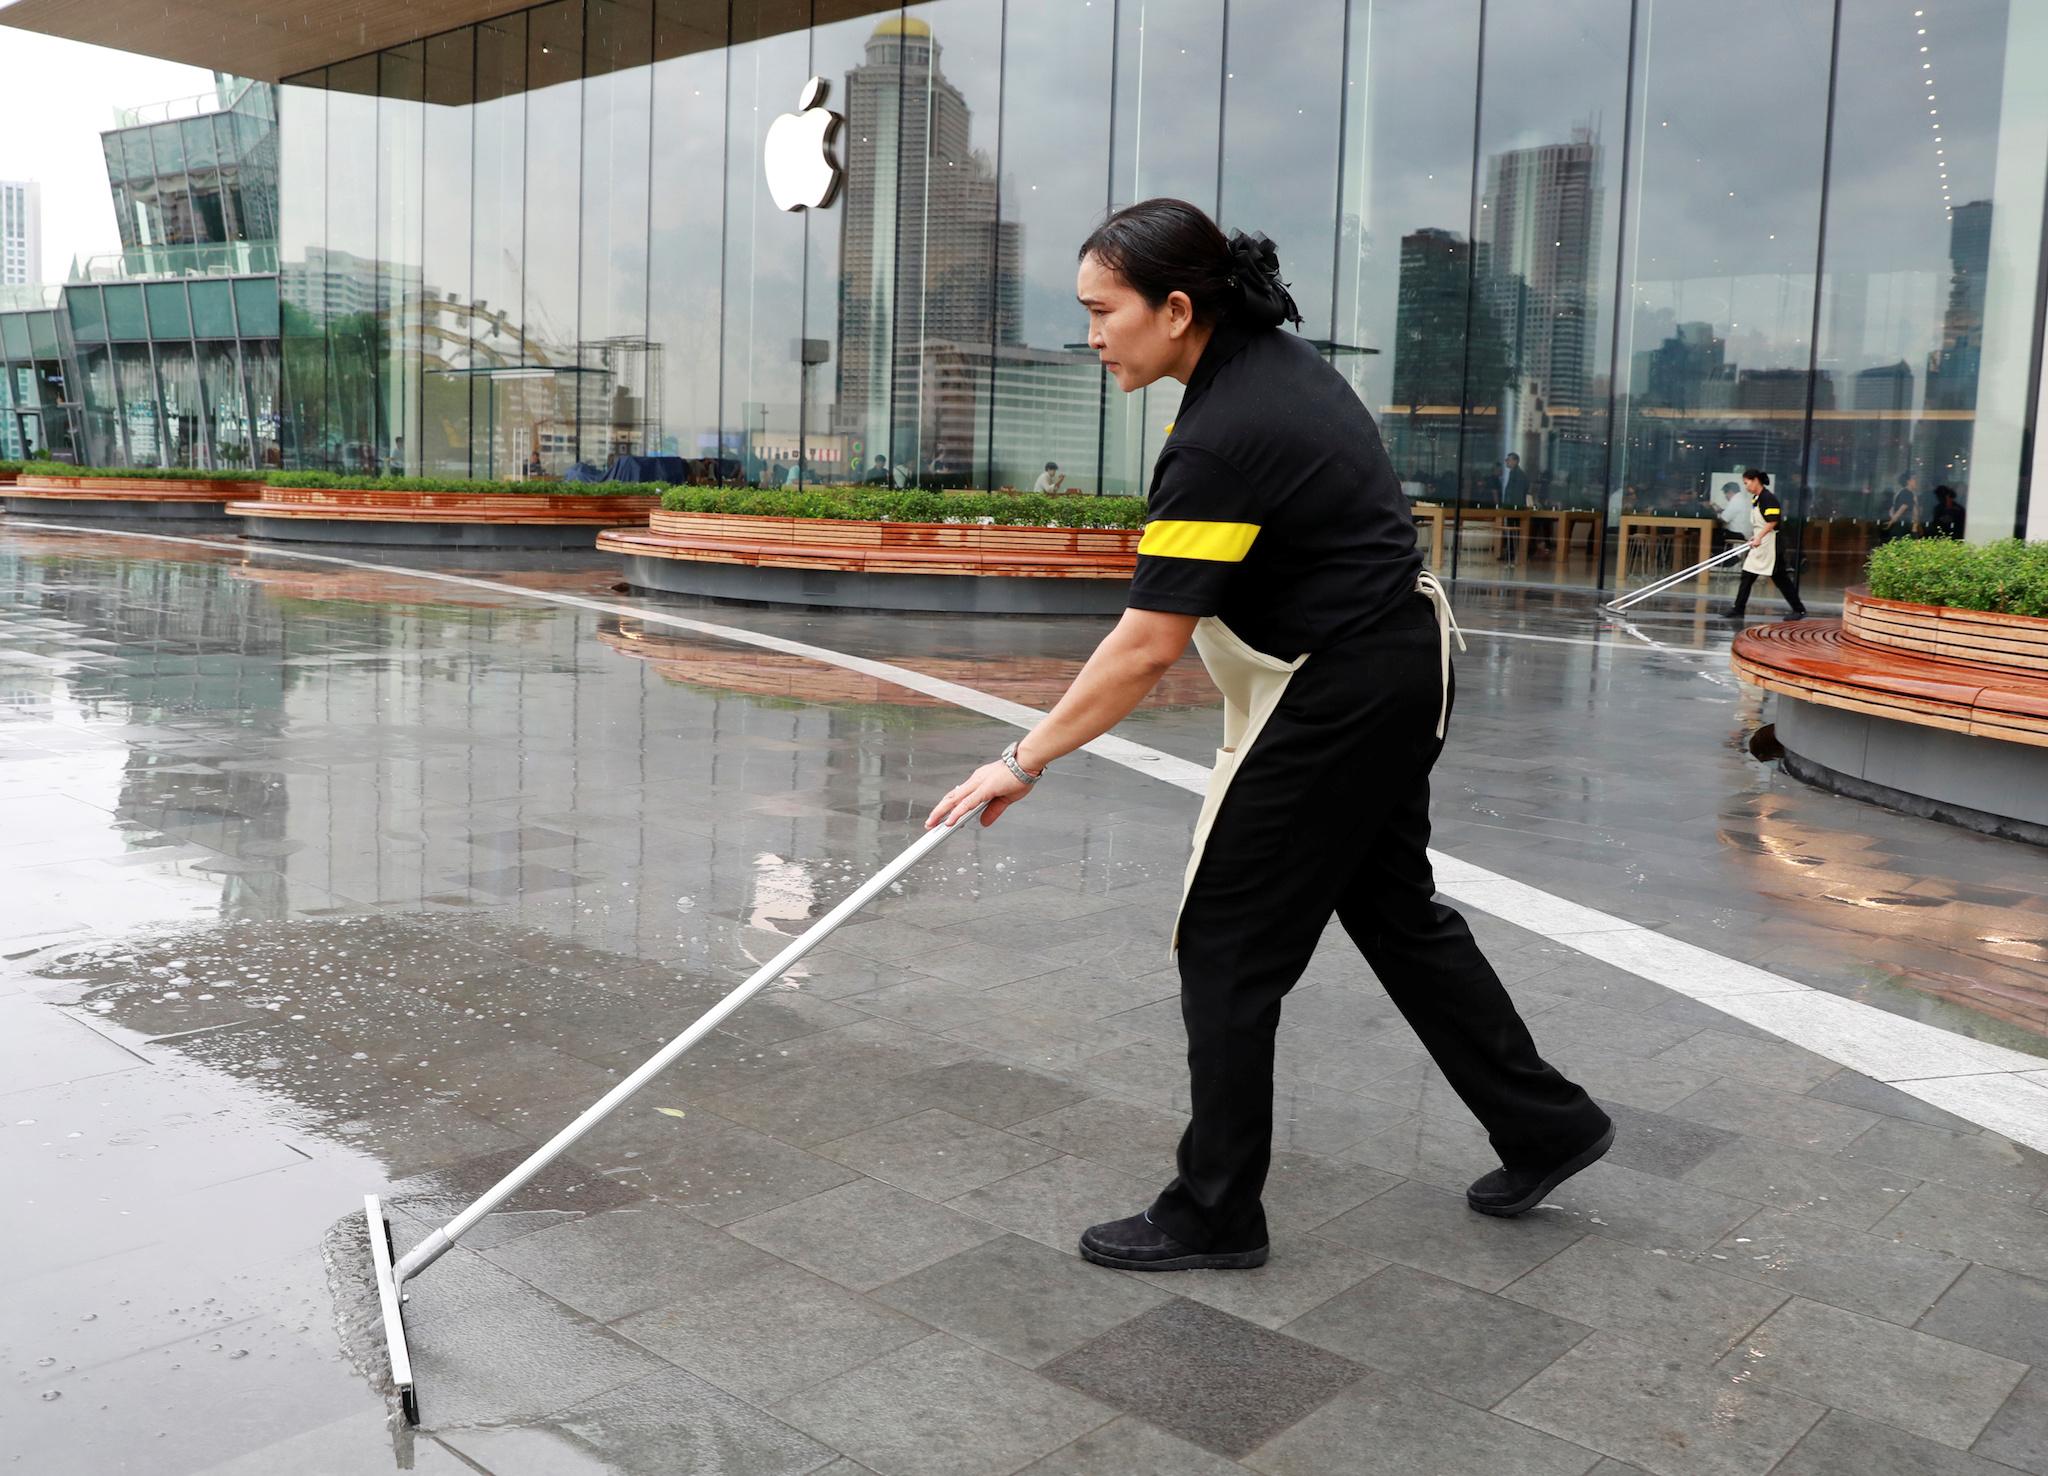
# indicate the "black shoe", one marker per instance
pixel 1507 1192
pixel 1730 615
pixel 1137 1244
pixel 1795 615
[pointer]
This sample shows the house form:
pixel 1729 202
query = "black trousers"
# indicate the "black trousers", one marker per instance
pixel 1779 577
pixel 1330 814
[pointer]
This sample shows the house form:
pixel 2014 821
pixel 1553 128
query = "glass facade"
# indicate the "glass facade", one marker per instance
pixel 176 373
pixel 209 180
pixel 1583 259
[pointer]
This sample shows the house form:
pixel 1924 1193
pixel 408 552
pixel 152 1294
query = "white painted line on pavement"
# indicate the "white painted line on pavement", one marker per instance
pixel 1987 1084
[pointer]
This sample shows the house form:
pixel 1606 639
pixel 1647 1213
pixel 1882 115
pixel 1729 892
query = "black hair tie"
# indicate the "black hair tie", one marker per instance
pixel 1255 272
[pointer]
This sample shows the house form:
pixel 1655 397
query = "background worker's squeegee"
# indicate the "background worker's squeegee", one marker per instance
pixel 1636 597
pixel 393 1273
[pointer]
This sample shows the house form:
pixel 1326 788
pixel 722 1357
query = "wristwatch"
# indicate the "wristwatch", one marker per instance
pixel 1022 774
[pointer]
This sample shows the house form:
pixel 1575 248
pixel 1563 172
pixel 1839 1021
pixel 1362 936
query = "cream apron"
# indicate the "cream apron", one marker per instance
pixel 1252 684
pixel 1762 559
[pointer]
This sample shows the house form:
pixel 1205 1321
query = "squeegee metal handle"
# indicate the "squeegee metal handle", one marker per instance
pixel 1637 596
pixel 435 1245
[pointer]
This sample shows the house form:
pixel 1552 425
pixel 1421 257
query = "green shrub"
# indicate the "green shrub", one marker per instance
pixel 336 481
pixel 2010 577
pixel 129 473
pixel 11 466
pixel 887 505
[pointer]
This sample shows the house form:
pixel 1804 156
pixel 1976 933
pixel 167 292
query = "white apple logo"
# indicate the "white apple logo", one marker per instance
pixel 801 169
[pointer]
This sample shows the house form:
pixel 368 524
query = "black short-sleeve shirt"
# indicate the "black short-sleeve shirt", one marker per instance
pixel 1273 506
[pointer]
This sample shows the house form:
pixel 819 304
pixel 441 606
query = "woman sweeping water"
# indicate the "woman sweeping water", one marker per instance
pixel 1277 540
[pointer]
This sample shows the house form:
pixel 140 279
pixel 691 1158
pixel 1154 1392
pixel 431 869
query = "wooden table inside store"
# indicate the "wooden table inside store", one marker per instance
pixel 1555 527
pixel 1640 533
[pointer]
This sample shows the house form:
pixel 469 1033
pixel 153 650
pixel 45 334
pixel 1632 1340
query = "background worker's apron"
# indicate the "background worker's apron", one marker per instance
pixel 1763 559
pixel 1252 684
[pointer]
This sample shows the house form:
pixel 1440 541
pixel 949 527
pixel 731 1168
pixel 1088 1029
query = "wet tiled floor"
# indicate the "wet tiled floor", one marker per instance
pixel 320 880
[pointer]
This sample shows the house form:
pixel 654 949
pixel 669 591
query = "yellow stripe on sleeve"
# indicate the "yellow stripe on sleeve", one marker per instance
pixel 1218 543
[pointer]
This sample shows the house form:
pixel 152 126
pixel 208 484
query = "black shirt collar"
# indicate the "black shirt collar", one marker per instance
pixel 1226 341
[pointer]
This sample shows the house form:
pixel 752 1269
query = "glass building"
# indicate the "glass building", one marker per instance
pixel 1635 244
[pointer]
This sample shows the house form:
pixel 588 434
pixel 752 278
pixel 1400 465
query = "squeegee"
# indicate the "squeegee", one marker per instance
pixel 1636 597
pixel 394 1271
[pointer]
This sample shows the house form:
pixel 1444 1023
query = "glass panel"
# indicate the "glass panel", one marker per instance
pixel 686 214
pixel 1723 218
pixel 138 405
pixel 13 446
pixel 1928 318
pixel 497 261
pixel 613 351
pixel 14 334
pixel 1168 125
pixel 1543 270
pixel 183 419
pixel 445 311
pixel 1048 392
pixel 117 181
pixel 173 196
pixel 355 338
pixel 88 317
pixel 764 245
pixel 1404 308
pixel 168 315
pixel 956 265
pixel 227 416
pixel 259 366
pixel 400 143
pixel 302 255
pixel 1283 100
pixel 554 57
pixel 102 404
pixel 42 334
pixel 213 313
pixel 226 147
pixel 203 174
pixel 256 306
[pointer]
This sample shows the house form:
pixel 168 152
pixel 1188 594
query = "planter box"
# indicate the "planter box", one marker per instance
pixel 2012 643
pixel 124 497
pixel 444 507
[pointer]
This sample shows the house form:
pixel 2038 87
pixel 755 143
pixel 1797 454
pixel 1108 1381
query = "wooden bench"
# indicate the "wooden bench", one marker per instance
pixel 849 546
pixel 1826 663
pixel 504 508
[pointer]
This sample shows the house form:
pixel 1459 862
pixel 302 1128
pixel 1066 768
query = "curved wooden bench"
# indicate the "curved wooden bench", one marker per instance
pixel 130 489
pixel 1978 637
pixel 849 546
pixel 1820 661
pixel 539 509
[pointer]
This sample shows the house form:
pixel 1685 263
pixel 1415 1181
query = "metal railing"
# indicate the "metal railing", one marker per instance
pixel 145 263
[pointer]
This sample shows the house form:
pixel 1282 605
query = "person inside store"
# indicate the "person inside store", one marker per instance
pixel 1050 480
pixel 1902 510
pixel 1733 516
pixel 1946 518
pixel 1277 540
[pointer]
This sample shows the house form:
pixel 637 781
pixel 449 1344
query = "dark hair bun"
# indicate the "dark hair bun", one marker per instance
pixel 1255 272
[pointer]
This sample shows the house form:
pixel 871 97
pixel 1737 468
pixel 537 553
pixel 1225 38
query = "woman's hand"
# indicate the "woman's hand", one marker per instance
pixel 993 783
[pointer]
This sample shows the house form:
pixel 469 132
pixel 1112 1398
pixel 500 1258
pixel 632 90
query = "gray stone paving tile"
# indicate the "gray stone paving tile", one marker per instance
pixel 1214 1380
pixel 927 1004
pixel 935 1154
pixel 1771 1063
pixel 673 1421
pixel 1053 1203
pixel 627 1260
pixel 1348 1065
pixel 1327 1120
pixel 1436 1231
pixel 1983 1163
pixel 1419 1087
pixel 1444 1336
pixel 1127 1446
pixel 992 1092
pixel 1996 1311
pixel 1384 1426
pixel 1664 1415
pixel 940 1407
pixel 767 1335
pixel 1657 1143
pixel 1430 1150
pixel 1647 1209
pixel 714 1170
pixel 1149 1071
pixel 1854 1089
pixel 1703 1015
pixel 885 940
pixel 1083 990
pixel 1024 1301
pixel 1126 1136
pixel 1802 1182
pixel 565 1189
pixel 2018 1433
pixel 1870 1274
pixel 1658 1301
pixel 1581 1022
pixel 1651 1083
pixel 361 1441
pixel 1303 1190
pixel 1044 1040
pixel 1997 1232
pixel 1304 1271
pixel 1782 1117
pixel 981 965
pixel 864 1233
pixel 1849 1445
pixel 782 1012
pixel 1926 1385
pixel 813 1106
